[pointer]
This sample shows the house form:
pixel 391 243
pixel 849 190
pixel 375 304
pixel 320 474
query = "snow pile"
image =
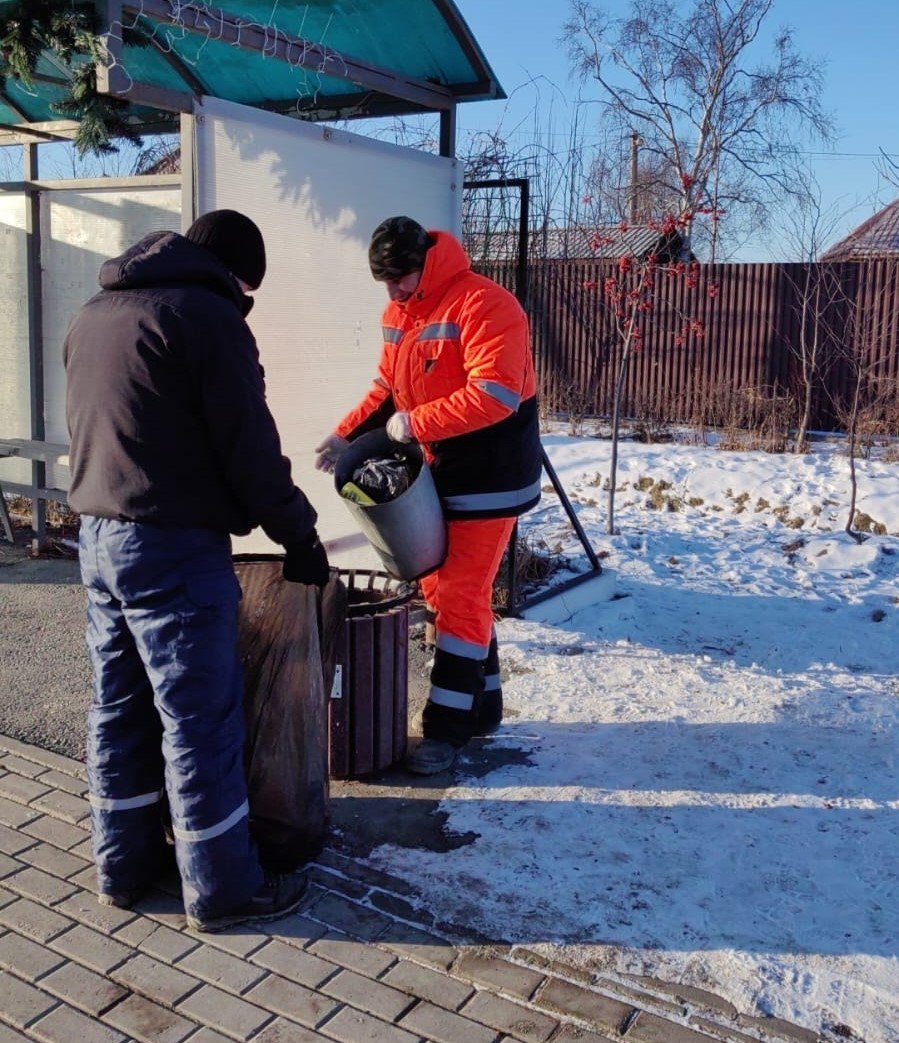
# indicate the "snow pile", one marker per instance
pixel 709 790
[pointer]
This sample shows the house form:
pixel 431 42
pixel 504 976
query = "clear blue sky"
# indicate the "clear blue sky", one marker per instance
pixel 857 44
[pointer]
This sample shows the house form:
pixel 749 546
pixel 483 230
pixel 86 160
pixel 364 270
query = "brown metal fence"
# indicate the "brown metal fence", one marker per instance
pixel 761 333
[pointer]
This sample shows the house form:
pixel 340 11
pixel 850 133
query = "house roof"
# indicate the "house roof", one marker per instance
pixel 599 242
pixel 876 237
pixel 314 59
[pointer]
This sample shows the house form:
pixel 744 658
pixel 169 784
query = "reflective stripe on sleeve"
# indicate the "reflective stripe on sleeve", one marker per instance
pixel 500 393
pixel 391 334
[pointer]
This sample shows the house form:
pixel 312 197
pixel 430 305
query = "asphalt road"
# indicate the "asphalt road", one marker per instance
pixel 45 686
pixel 45 677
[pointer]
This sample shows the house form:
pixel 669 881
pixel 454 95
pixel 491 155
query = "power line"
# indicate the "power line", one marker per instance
pixel 587 139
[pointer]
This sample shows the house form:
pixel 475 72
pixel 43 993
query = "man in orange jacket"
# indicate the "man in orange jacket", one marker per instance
pixel 455 375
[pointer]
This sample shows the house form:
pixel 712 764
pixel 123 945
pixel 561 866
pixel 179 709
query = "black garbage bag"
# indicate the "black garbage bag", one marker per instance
pixel 384 478
pixel 288 648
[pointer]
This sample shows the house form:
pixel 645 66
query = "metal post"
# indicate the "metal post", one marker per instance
pixel 35 340
pixel 188 168
pixel 448 132
pixel 521 292
pixel 512 573
pixel 521 278
pixel 521 254
pixel 635 144
pixel 569 510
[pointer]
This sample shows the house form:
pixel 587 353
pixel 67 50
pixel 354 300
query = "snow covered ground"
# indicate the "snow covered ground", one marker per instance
pixel 709 790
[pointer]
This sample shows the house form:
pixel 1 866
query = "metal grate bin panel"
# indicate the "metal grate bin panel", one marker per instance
pixel 369 698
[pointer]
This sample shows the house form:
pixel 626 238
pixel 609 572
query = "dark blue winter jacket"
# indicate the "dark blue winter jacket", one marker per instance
pixel 166 401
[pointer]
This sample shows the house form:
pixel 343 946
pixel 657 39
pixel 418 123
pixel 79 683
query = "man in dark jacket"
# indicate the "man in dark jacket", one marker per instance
pixel 173 448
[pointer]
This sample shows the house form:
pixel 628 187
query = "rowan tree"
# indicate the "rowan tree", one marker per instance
pixel 630 293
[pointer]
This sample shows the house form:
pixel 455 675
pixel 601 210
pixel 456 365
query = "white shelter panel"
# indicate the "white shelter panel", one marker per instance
pixel 80 230
pixel 15 394
pixel 316 193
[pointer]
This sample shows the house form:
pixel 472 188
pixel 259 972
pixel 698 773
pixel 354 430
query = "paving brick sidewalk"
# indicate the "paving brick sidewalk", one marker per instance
pixel 355 964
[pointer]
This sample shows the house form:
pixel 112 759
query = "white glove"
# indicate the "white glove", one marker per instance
pixel 329 451
pixel 399 428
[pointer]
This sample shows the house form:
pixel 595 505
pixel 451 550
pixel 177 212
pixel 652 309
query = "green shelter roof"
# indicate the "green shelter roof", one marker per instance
pixel 315 59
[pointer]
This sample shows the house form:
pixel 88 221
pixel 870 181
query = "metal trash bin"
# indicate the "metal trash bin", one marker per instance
pixel 368 707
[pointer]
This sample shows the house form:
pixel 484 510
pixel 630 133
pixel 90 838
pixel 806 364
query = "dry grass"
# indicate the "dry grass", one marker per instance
pixel 59 514
pixel 535 562
pixel 61 530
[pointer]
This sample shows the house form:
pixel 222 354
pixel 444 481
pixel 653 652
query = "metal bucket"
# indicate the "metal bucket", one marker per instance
pixel 409 532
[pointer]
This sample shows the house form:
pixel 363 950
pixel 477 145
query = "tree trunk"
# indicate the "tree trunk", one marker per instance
pixel 616 423
pixel 853 478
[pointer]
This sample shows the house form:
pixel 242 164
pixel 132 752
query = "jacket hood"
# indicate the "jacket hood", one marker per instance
pixel 166 258
pixel 443 261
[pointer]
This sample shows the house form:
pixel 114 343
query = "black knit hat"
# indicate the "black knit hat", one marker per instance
pixel 236 242
pixel 398 246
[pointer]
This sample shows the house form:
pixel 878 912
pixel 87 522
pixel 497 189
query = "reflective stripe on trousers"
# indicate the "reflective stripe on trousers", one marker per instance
pixel 166 718
pixel 492 678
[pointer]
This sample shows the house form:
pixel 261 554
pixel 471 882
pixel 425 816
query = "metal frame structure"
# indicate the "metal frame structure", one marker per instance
pixel 387 92
pixel 33 188
pixel 521 292
pixel 35 333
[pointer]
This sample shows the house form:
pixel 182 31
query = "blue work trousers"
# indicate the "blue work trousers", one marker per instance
pixel 166 720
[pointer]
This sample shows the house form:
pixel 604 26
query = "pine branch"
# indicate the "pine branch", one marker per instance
pixel 100 117
pixel 69 30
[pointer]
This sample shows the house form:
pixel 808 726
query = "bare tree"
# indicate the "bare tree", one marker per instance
pixel 867 407
pixel 888 168
pixel 628 184
pixel 681 76
pixel 549 147
pixel 11 163
pixel 546 146
pixel 160 155
pixel 822 304
pixel 554 158
pixel 849 411
pixel 818 296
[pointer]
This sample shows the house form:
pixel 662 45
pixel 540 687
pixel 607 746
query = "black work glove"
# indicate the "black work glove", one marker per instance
pixel 306 561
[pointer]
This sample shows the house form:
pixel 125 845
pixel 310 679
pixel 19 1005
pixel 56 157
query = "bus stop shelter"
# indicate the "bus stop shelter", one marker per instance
pixel 259 94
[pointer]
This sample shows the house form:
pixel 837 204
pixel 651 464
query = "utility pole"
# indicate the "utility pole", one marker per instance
pixel 635 144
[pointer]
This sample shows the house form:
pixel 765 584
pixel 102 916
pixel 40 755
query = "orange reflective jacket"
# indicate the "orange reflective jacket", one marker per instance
pixel 456 356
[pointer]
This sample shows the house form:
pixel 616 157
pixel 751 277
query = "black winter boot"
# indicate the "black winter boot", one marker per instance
pixel 489 706
pixel 449 717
